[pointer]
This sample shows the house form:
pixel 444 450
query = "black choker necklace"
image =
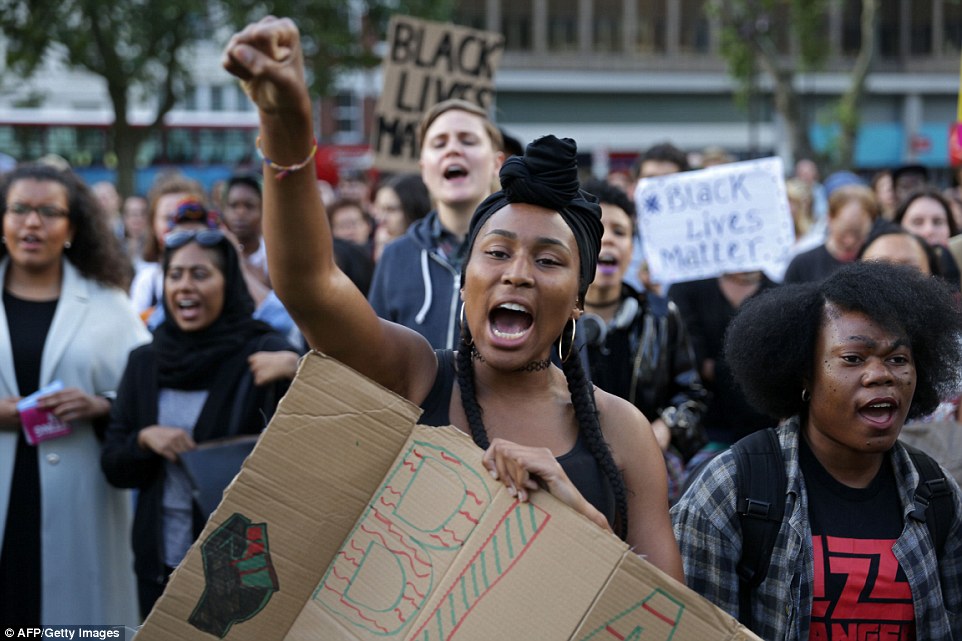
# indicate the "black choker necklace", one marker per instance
pixel 533 366
pixel 610 303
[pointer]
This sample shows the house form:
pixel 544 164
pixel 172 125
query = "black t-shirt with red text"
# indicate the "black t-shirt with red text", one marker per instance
pixel 860 593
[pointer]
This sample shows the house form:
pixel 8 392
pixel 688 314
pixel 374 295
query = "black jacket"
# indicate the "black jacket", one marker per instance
pixel 127 465
pixel 645 356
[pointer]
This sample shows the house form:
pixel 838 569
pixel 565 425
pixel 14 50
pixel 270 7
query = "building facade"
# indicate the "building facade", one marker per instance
pixel 615 75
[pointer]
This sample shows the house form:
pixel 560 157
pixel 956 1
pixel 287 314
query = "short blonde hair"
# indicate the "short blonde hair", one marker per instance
pixel 457 104
pixel 860 193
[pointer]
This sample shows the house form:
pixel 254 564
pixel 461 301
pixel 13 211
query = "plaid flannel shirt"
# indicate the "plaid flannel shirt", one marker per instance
pixel 709 536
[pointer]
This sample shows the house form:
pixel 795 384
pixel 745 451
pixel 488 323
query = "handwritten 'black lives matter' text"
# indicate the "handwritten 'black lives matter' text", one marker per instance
pixel 427 64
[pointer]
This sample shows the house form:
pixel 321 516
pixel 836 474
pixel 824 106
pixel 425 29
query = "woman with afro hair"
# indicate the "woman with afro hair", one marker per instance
pixel 844 363
pixel 532 249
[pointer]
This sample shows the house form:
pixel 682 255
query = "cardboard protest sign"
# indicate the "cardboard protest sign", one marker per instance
pixel 350 522
pixel 427 63
pixel 727 218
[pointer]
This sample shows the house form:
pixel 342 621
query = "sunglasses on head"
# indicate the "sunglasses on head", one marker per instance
pixel 204 238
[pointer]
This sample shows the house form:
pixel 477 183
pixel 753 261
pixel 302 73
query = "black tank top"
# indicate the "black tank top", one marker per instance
pixel 579 464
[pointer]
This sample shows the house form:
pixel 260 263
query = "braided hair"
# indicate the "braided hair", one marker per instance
pixel 547 176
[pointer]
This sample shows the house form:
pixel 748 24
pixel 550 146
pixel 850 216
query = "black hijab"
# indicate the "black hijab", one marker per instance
pixel 547 176
pixel 192 360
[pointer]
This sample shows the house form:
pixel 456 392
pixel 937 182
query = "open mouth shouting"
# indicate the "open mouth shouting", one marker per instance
pixel 607 264
pixel 510 322
pixel 187 308
pixel 455 171
pixel 880 412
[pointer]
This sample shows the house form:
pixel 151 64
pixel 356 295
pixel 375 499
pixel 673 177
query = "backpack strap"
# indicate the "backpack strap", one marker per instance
pixel 933 498
pixel 760 504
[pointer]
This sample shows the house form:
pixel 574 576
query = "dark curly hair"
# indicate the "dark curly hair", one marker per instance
pixel 770 345
pixel 607 193
pixel 94 250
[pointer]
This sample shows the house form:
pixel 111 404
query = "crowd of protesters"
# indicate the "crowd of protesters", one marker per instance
pixel 149 324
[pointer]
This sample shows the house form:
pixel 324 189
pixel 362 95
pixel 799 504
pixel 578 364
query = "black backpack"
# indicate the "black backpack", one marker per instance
pixel 761 484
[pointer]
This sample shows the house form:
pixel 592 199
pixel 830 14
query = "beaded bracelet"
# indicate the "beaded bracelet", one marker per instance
pixel 282 171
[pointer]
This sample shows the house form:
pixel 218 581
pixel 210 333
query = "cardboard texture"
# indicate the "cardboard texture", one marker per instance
pixel 348 521
pixel 427 63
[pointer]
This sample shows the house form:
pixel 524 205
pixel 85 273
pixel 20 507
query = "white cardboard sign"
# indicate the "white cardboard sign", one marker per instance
pixel 728 218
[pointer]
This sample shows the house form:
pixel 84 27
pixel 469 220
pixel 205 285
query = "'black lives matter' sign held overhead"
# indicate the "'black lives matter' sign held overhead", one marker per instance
pixel 728 218
pixel 428 62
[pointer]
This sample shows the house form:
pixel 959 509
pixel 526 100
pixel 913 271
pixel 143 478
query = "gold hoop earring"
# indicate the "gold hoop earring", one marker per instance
pixel 574 328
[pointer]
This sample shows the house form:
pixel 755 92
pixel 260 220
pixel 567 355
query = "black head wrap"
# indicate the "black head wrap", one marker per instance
pixel 547 176
pixel 191 360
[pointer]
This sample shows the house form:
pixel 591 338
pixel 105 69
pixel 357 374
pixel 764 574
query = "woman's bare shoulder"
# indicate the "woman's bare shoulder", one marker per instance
pixel 620 420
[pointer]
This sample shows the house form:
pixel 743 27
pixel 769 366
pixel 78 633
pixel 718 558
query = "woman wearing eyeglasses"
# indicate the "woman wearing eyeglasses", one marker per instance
pixel 65 317
pixel 195 382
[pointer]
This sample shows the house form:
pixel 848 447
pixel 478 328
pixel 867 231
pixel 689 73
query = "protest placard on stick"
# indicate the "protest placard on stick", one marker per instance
pixel 727 218
pixel 426 63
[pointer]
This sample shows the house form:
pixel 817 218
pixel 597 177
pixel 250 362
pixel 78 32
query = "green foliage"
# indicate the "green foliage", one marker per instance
pixel 809 18
pixel 141 47
pixel 751 31
pixel 337 35
pixel 134 45
pixel 128 43
pixel 741 64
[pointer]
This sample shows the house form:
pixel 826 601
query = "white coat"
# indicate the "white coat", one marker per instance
pixel 87 563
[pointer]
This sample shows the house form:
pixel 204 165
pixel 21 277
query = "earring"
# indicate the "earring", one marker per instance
pixel 66 245
pixel 806 395
pixel 571 346
pixel 464 328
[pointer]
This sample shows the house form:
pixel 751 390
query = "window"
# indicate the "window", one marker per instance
pixel 470 14
pixel 920 38
pixel 180 146
pixel 651 27
pixel 348 116
pixel 150 150
pixel 223 146
pixel 190 99
pixel 516 24
pixel 563 25
pixel 952 28
pixel 607 26
pixel 217 98
pixel 695 36
pixel 887 38
pixel 243 102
